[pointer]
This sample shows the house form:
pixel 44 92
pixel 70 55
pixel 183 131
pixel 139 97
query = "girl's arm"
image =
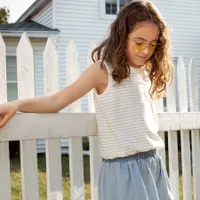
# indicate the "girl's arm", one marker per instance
pixel 89 79
pixel 93 77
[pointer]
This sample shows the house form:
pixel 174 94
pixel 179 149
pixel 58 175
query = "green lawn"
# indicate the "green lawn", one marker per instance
pixel 16 178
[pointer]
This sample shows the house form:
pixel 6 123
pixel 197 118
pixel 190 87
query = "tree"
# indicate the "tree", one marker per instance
pixel 4 15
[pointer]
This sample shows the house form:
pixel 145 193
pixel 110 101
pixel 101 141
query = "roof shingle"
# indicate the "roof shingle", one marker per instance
pixel 27 25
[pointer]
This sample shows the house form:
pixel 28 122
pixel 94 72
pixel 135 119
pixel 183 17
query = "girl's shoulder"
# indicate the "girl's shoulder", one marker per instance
pixel 105 65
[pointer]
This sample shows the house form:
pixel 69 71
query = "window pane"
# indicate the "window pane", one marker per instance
pixel 111 7
pixel 11 73
pixel 12 91
pixel 11 68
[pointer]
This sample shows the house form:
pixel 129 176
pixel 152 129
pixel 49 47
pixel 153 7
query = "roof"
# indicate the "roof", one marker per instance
pixel 27 25
pixel 33 9
pixel 32 28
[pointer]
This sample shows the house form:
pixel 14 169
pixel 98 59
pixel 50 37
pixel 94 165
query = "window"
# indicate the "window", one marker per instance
pixel 109 8
pixel 112 7
pixel 12 92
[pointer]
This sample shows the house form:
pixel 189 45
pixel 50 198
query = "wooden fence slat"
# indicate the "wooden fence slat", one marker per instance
pixel 54 169
pixel 5 185
pixel 75 144
pixel 173 163
pixel 3 79
pixel 95 157
pixel 53 148
pixel 95 166
pixel 196 162
pixel 5 189
pixel 172 142
pixel 28 153
pixel 76 168
pixel 29 170
pixel 159 109
pixel 186 165
pixel 193 94
pixel 185 142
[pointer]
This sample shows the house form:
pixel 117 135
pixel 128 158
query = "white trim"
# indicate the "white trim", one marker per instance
pixel 42 10
pixel 103 14
pixel 11 53
pixel 36 6
pixel 118 6
pixel 11 81
pixel 33 34
pixel 53 13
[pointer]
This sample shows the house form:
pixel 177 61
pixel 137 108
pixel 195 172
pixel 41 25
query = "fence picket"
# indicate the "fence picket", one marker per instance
pixel 95 157
pixel 75 144
pixel 160 109
pixel 192 79
pixel 5 189
pixel 26 89
pixel 53 148
pixel 185 141
pixel 173 144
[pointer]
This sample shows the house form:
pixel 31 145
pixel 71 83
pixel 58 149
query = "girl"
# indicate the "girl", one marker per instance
pixel 131 68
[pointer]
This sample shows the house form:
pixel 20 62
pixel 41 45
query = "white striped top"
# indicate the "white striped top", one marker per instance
pixel 126 117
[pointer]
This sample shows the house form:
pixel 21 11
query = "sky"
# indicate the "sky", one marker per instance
pixel 16 7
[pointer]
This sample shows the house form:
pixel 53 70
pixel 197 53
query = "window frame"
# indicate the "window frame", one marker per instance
pixel 103 14
pixel 10 81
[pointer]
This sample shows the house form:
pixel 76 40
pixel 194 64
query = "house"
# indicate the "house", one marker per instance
pixel 84 21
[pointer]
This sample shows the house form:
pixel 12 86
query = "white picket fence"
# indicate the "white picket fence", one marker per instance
pixel 27 128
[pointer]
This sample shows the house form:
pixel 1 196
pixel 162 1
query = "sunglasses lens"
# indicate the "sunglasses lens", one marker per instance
pixel 138 47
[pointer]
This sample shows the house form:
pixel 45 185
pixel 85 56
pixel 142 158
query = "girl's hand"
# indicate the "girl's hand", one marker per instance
pixel 7 111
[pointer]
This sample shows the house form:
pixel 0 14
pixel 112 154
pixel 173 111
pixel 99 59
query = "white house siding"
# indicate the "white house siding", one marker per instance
pixel 80 22
pixel 38 48
pixel 182 17
pixel 45 16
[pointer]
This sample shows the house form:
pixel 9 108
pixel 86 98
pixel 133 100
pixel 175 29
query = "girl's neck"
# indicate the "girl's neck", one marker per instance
pixel 134 66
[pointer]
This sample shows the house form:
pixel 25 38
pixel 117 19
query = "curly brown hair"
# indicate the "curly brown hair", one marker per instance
pixel 112 49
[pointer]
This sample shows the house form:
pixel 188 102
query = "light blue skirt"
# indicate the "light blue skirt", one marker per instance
pixel 142 176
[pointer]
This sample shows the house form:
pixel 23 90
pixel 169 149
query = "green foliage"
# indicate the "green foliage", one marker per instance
pixel 4 15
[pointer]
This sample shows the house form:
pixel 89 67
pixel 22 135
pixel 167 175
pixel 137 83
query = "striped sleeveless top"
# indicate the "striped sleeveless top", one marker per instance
pixel 126 117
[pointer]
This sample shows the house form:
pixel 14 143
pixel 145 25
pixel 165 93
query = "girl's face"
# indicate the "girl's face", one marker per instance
pixel 141 43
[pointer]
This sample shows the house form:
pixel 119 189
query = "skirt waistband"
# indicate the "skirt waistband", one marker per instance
pixel 139 155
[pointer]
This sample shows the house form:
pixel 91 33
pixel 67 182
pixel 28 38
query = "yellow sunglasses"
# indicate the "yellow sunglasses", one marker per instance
pixel 139 46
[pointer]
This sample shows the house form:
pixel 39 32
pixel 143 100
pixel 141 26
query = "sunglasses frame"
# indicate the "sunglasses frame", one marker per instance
pixel 158 44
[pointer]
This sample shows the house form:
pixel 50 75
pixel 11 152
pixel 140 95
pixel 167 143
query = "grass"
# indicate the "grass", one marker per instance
pixel 16 179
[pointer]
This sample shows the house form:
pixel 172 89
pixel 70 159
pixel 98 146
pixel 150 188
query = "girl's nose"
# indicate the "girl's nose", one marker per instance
pixel 146 50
